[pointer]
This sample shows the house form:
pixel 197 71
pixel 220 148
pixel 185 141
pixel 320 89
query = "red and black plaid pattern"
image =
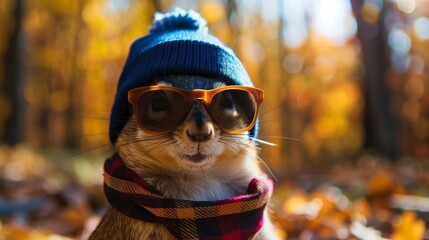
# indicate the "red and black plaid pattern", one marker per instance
pixel 239 217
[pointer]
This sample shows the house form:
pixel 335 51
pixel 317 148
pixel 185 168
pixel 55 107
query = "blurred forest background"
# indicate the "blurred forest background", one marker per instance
pixel 347 104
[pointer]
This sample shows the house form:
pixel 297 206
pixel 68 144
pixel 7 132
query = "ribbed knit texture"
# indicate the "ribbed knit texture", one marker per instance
pixel 173 51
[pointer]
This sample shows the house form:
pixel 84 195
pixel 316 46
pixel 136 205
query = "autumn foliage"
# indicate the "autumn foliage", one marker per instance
pixel 346 112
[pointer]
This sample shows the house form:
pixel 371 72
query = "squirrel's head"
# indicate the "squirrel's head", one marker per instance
pixel 191 130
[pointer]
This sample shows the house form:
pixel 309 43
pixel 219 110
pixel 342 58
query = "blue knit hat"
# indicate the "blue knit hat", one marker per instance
pixel 178 43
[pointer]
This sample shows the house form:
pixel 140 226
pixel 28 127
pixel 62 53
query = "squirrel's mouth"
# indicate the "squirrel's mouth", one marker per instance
pixel 197 157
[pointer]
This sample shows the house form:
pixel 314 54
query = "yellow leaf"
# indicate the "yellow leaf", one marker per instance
pixel 408 227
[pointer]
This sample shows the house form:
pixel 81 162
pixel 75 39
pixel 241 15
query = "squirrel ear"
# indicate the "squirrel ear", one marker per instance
pixel 178 19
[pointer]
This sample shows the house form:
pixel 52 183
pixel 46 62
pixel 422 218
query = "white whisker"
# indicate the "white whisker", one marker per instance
pixel 260 160
pixel 286 138
pixel 268 168
pixel 263 142
pixel 206 182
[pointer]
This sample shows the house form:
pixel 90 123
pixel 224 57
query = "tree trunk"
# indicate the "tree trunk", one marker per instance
pixel 72 115
pixel 14 80
pixel 379 121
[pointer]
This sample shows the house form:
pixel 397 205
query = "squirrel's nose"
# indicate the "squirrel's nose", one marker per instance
pixel 201 133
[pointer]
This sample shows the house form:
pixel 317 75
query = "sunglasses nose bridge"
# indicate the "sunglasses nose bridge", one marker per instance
pixel 200 95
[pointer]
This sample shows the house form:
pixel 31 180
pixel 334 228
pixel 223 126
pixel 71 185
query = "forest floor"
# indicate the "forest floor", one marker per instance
pixel 367 198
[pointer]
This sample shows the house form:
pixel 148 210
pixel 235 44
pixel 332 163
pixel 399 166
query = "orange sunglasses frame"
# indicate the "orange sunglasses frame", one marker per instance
pixel 189 95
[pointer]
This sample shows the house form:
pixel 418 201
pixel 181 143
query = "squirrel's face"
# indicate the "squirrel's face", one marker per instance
pixel 193 141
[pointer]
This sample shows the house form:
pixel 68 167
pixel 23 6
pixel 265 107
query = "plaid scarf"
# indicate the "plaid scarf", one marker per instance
pixel 239 217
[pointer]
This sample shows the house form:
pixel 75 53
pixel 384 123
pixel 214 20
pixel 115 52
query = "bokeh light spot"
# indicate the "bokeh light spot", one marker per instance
pixel 421 28
pixel 400 62
pixel 407 6
pixel 293 63
pixel 370 12
pixel 338 25
pixel 399 41
pixel 294 29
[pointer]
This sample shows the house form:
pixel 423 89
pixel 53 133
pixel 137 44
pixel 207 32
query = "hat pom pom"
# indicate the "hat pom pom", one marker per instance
pixel 178 19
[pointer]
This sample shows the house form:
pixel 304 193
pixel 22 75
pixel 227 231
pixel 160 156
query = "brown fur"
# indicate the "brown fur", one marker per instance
pixel 233 163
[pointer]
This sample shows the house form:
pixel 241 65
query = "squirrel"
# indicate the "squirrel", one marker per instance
pixel 182 125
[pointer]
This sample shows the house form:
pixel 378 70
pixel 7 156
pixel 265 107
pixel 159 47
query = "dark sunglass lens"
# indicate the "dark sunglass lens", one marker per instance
pixel 161 110
pixel 160 102
pixel 233 110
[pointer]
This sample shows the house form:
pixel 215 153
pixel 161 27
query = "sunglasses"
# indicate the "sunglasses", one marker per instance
pixel 161 109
